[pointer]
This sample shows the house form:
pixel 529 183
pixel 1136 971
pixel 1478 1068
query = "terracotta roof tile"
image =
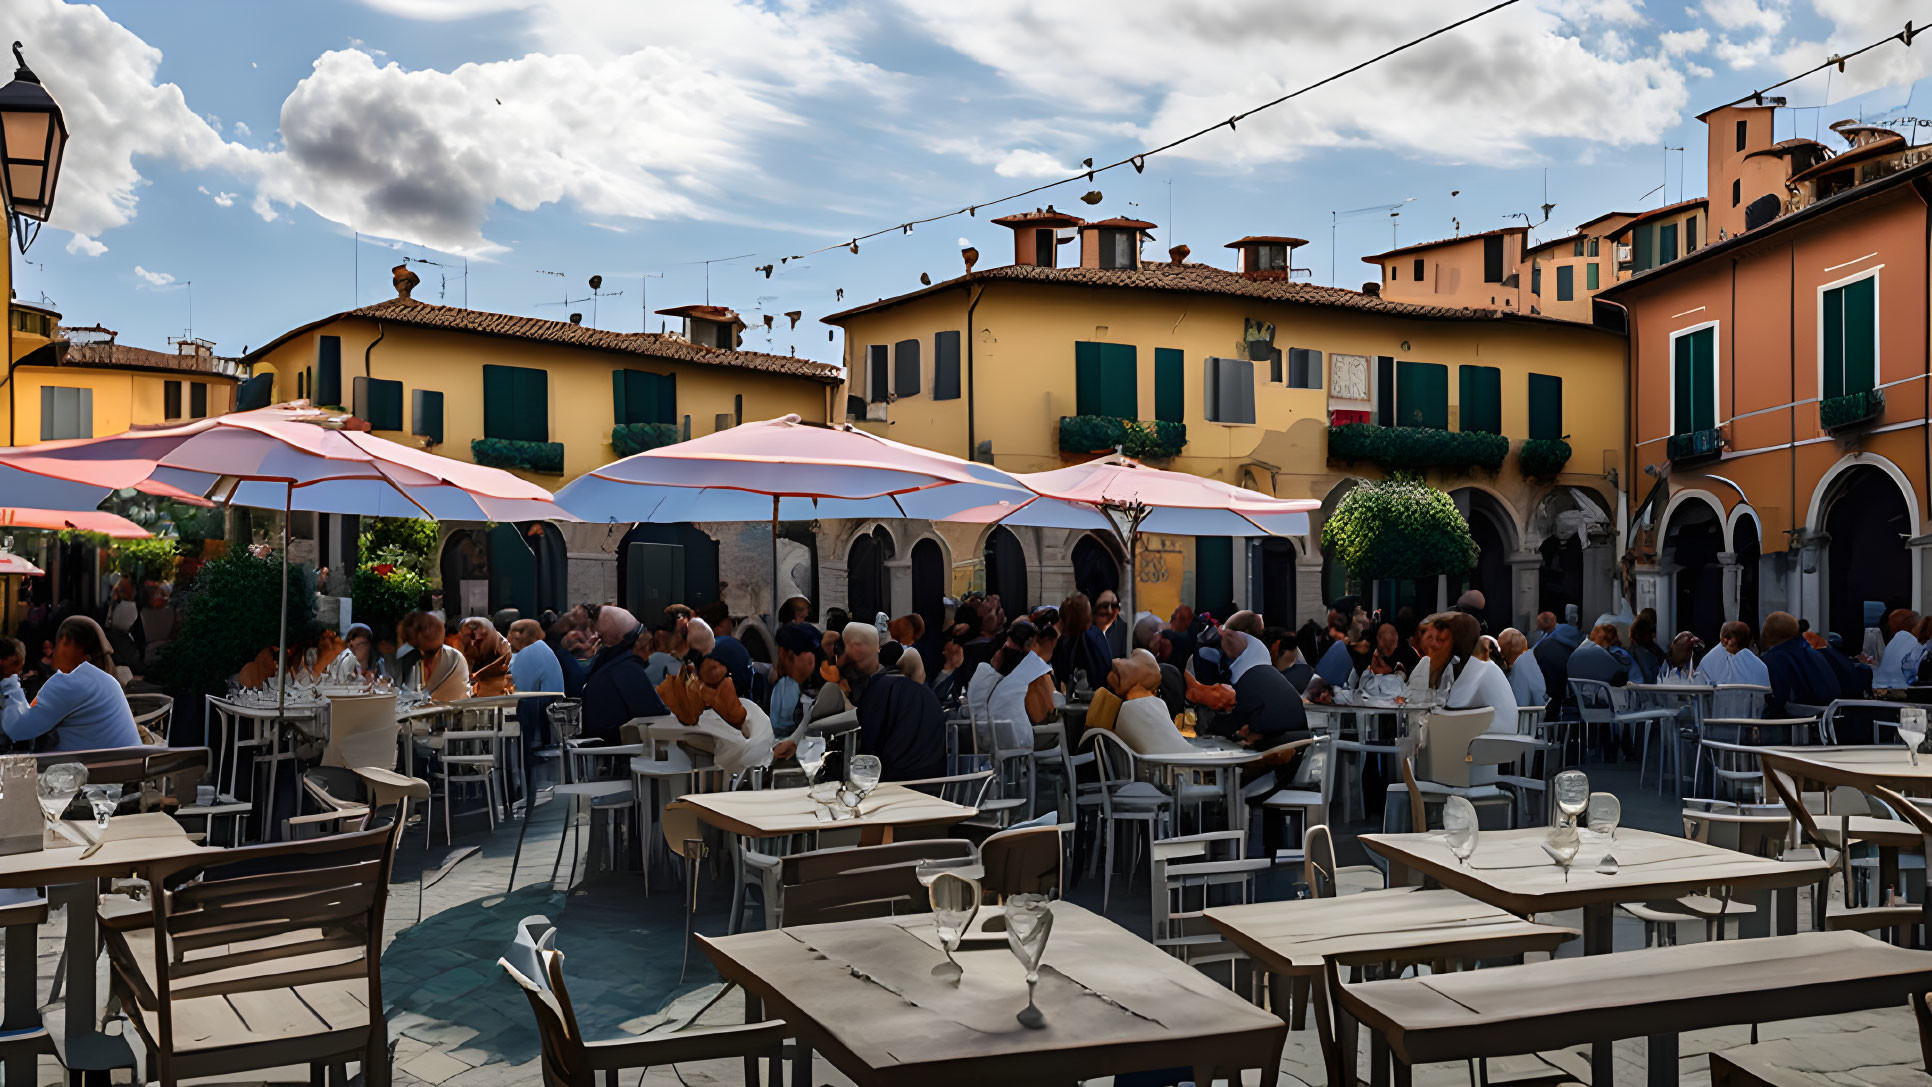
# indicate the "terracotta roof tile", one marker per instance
pixel 537 330
pixel 1446 241
pixel 120 356
pixel 1118 223
pixel 1202 279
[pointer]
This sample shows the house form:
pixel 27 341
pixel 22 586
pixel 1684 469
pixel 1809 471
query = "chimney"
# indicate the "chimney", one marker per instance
pixel 404 279
pixel 971 256
pixel 1266 256
pixel 1178 254
pixel 576 318
pixel 1372 289
pixel 1113 243
pixel 1036 235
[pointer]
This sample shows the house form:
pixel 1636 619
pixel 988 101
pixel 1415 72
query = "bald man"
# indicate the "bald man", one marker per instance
pixel 899 721
pixel 619 687
pixel 1143 722
pixel 617 632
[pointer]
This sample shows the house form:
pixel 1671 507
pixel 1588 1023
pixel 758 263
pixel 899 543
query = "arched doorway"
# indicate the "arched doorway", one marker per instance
pixel 1692 544
pixel 465 568
pixel 1006 568
pixel 1749 551
pixel 1868 523
pixel 929 589
pixel 1095 568
pixel 658 565
pixel 1559 575
pixel 1494 531
pixel 1278 581
pixel 867 590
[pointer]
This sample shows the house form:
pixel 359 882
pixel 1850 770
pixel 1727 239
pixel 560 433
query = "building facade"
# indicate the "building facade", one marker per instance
pixel 1486 271
pixel 1779 385
pixel 1245 376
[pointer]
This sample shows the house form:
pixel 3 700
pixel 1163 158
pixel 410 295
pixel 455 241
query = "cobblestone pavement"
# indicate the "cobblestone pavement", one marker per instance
pixel 456 1020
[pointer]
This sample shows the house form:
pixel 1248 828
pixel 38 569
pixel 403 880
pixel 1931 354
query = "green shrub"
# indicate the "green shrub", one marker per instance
pixel 231 614
pixel 152 559
pixel 1398 528
pixel 1139 438
pixel 629 439
pixel 1542 458
pixel 528 456
pixel 1404 447
pixel 383 593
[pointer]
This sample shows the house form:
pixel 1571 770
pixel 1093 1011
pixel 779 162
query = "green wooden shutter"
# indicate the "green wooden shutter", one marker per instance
pixel 326 387
pixel 1480 394
pixel 1590 275
pixel 1545 406
pixel 499 400
pixel 1566 283
pixel 1422 394
pixel 1170 393
pixel 1833 319
pixel 1861 334
pixel 533 404
pixel 667 399
pixel 427 414
pixel 620 389
pixel 1087 378
pixel 1121 385
pixel 516 403
pixel 1213 571
pixel 1642 244
pixel 1693 381
pixel 945 366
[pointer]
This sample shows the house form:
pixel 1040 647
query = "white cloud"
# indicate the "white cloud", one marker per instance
pixel 1681 42
pixel 1029 163
pixel 242 129
pixel 1761 16
pixel 1490 88
pixel 154 279
pixel 81 244
pixel 1745 54
pixel 1855 23
pixel 440 10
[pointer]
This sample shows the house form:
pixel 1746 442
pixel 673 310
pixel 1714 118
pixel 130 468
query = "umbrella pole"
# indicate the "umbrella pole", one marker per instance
pixel 773 621
pixel 281 651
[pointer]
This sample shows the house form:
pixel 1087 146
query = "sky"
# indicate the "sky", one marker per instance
pixel 240 168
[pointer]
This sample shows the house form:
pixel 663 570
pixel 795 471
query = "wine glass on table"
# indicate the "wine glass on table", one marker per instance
pixel 1605 812
pixel 811 757
pixel 59 784
pixel 1029 921
pixel 955 901
pixel 1459 826
pixel 1911 729
pixel 1572 789
pixel 863 777
pixel 1562 845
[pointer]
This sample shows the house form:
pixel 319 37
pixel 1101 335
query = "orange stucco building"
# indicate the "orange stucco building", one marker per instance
pixel 1474 271
pixel 1780 380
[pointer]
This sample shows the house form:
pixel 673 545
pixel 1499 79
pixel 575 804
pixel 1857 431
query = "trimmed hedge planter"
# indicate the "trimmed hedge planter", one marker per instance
pixel 1139 438
pixel 1412 448
pixel 1845 411
pixel 547 457
pixel 1542 458
pixel 629 439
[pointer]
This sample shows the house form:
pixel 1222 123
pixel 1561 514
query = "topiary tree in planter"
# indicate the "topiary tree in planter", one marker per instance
pixel 231 613
pixel 1398 528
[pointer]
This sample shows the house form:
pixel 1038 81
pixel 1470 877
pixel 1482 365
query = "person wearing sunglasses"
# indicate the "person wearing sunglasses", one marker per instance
pixel 1106 618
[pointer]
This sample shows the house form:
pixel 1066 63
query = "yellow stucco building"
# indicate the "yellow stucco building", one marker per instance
pixel 1239 375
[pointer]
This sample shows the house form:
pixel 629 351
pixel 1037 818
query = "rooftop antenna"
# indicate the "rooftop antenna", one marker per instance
pixel 595 283
pixel 1334 217
pixel 566 290
pixel 1680 173
pixel 644 299
pixel 444 287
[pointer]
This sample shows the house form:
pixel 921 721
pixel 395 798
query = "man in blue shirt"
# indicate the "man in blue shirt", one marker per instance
pixel 1798 673
pixel 81 707
pixel 533 667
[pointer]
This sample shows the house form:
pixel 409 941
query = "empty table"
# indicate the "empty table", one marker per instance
pixel 775 813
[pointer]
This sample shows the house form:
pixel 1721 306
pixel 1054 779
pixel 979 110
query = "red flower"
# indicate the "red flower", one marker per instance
pixel 384 569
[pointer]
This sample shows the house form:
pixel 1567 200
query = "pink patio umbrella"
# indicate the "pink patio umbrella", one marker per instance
pixel 1120 494
pixel 111 525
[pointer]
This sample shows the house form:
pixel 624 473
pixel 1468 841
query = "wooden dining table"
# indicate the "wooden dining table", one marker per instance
pixel 1510 870
pixel 863 994
pixel 778 813
pixel 1890 765
pixel 132 842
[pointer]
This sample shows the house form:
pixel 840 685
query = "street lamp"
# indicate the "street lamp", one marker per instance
pixel 32 137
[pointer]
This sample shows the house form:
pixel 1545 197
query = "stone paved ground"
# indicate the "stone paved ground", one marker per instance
pixel 456 1020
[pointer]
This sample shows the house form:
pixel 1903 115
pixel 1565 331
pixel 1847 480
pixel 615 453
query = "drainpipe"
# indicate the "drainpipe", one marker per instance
pixel 380 333
pixel 972 434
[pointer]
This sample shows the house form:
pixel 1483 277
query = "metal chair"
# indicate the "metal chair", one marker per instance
pixel 1121 798
pixel 1598 703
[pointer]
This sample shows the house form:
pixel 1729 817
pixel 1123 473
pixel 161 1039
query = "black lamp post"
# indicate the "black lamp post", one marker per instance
pixel 32 137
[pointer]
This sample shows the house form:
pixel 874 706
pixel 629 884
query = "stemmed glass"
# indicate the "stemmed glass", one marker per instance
pixel 1572 794
pixel 1459 826
pixel 103 799
pixel 59 784
pixel 1029 921
pixel 1605 810
pixel 955 901
pixel 1562 845
pixel 811 756
pixel 863 777
pixel 1911 729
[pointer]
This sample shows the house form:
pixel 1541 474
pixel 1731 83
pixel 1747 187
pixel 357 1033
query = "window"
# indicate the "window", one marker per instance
pixel 1304 368
pixel 1595 243
pixel 1690 233
pixel 256 392
pixel 1566 283
pixel 1693 380
pixel 1384 390
pixel 426 411
pixel 1481 398
pixel 1395 272
pixel 198 400
pixel 1230 391
pixel 1274 258
pixel 1848 337
pixel 1117 249
pixel 738 410
pixel 1643 247
pixel 876 377
pixel 1493 259
pixel 171 400
pixel 1536 279
pixel 1104 380
pixel 1737 191
pixel 379 402
pixel 1742 130
pixel 1666 243
pixel 516 403
pixel 1044 244
pixel 301 384
pixel 1545 406
pixel 1576 250
pixel 905 368
pixel 1170 385
pixel 1590 276
pixel 945 366
pixel 1422 395
pixel 66 413
pixel 640 396
pixel 1418 269
pixel 325 388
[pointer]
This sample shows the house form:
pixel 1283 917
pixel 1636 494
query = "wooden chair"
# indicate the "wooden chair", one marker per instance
pixel 826 885
pixel 571 1061
pixel 1753 834
pixel 261 957
pixel 153 713
pixel 1324 877
pixel 1833 836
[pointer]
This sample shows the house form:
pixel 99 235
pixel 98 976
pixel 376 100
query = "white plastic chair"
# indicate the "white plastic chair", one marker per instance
pixel 1122 798
pixel 1598 703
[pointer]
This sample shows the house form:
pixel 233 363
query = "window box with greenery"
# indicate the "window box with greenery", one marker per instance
pixel 1694 446
pixel 1416 448
pixel 1852 409
pixel 1542 458
pixel 1142 439
pixel 547 457
pixel 629 439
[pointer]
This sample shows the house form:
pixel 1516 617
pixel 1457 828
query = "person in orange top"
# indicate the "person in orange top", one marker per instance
pixel 487 654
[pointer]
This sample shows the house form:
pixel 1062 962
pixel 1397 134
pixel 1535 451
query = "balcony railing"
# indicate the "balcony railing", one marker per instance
pixel 1416 447
pixel 1697 445
pixel 1851 410
pixel 1139 438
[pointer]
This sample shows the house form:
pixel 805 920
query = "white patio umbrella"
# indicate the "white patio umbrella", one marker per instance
pixel 786 469
pixel 1119 494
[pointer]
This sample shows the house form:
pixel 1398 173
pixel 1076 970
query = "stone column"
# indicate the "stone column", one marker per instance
pixel 1733 584
pixel 1599 565
pixel 899 585
pixel 1526 589
pixel 1653 591
pixel 1810 594
pixel 1309 589
pixel 1921 547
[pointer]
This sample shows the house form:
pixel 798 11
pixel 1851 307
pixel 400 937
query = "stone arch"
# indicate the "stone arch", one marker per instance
pixel 1814 517
pixel 1677 500
pixel 1561 522
pixel 1097 564
pixel 1863 510
pixel 1493 524
pixel 1691 541
pixel 868 585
